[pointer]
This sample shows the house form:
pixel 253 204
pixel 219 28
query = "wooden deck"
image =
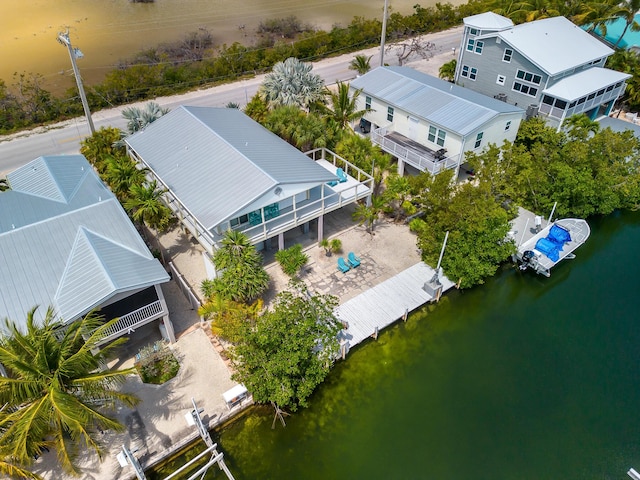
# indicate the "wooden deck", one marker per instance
pixel 386 303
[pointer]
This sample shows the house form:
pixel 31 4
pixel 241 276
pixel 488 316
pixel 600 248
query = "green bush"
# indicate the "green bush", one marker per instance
pixel 292 259
pixel 156 363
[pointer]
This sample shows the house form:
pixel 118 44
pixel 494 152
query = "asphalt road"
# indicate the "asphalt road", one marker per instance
pixel 64 138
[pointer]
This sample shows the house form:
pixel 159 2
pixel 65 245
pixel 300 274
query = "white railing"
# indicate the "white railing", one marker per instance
pixel 132 320
pixel 421 162
pixel 194 301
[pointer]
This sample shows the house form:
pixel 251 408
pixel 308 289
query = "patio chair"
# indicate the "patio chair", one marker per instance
pixel 341 175
pixel 342 265
pixel 353 260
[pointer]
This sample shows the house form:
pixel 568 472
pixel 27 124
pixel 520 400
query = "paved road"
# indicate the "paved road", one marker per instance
pixel 64 138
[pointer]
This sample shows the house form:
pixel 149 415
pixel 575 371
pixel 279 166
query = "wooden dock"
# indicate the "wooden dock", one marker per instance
pixel 384 304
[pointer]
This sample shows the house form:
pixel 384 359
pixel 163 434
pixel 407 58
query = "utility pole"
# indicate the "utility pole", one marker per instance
pixel 74 53
pixel 384 32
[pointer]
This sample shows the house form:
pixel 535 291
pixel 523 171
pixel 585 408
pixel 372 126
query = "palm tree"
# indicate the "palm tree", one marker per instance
pixel 14 471
pixel 368 214
pixel 538 9
pixel 448 71
pixel 292 83
pixel 361 64
pixel 138 118
pixel 145 205
pixel 597 15
pixel 344 107
pixel 121 174
pixel 243 277
pixel 100 145
pixel 627 11
pixel 56 392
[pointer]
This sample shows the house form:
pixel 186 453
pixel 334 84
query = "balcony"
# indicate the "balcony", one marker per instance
pixel 129 322
pixel 412 152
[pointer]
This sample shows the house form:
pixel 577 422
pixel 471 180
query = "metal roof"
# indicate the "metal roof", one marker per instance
pixel 488 21
pixel 217 161
pixel 585 82
pixel 454 108
pixel 554 44
pixel 66 242
pixel 618 125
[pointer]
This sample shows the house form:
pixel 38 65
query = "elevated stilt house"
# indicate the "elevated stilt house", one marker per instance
pixel 66 242
pixel 222 170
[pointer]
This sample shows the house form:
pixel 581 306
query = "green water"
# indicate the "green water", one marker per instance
pixel 523 378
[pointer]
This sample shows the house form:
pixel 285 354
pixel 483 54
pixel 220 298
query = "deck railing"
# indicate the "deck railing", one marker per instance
pixel 423 162
pixel 132 320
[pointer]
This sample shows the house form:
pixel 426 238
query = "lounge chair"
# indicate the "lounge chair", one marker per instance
pixel 341 175
pixel 342 265
pixel 353 260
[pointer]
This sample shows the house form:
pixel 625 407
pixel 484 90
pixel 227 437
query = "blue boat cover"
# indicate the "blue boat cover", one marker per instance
pixel 549 248
pixel 552 245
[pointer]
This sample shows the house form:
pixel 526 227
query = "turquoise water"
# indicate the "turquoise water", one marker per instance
pixel 614 30
pixel 522 378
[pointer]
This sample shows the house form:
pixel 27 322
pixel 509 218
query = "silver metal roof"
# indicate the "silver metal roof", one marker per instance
pixel 66 242
pixel 618 125
pixel 454 108
pixel 585 82
pixel 217 161
pixel 554 44
pixel 488 21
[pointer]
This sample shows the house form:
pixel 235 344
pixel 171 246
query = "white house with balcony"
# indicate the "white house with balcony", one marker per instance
pixel 66 243
pixel 224 171
pixel 550 67
pixel 428 123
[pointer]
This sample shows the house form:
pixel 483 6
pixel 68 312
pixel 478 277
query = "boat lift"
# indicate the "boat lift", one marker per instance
pixel 127 457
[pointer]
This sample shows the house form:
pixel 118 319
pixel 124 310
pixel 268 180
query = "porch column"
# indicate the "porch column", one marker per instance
pixel 400 167
pixel 281 241
pixel 320 228
pixel 167 321
pixel 168 326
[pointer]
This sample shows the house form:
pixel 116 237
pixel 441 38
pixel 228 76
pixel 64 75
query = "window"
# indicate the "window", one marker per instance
pixel 547 100
pixel 591 96
pixel 437 136
pixel 390 114
pixel 478 140
pixel 561 104
pixel 501 79
pixel 470 44
pixel 508 53
pixel 528 77
pixel 609 88
pixel 507 126
pixel 432 134
pixel 479 45
pixel 367 103
pixel 526 89
pixel 600 92
pixel 473 31
pixel 467 72
pixel 239 221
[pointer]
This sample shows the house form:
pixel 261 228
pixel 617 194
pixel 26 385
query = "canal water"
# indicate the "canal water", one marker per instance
pixel 524 377
pixel 110 30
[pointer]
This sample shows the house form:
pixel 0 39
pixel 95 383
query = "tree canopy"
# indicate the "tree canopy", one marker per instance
pixel 292 83
pixel 289 350
pixel 56 392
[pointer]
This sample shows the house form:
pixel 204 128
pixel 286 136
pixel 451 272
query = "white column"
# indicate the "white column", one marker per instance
pixel 281 241
pixel 167 321
pixel 400 167
pixel 320 228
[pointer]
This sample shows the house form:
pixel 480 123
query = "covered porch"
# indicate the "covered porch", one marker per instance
pixel 134 311
pixel 413 153
pixel 592 92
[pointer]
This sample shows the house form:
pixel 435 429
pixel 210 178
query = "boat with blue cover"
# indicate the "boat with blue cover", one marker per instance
pixel 553 244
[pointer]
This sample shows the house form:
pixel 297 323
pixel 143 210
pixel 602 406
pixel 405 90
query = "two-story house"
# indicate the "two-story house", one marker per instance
pixel 428 123
pixel 224 171
pixel 550 67
pixel 67 243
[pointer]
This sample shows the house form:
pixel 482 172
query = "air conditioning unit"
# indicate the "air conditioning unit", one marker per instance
pixel 501 96
pixel 532 111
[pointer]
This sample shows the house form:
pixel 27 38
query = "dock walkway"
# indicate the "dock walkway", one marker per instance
pixel 386 303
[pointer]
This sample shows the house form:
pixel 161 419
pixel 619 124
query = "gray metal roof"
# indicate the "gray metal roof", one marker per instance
pixel 66 242
pixel 488 21
pixel 618 125
pixel 442 103
pixel 217 161
pixel 585 82
pixel 554 44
